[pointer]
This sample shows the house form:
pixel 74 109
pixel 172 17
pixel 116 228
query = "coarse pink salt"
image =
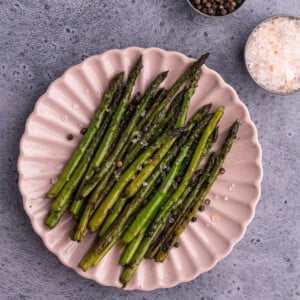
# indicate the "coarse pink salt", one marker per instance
pixel 215 218
pixel 273 54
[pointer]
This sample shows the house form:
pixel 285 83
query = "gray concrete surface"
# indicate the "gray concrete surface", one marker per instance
pixel 39 39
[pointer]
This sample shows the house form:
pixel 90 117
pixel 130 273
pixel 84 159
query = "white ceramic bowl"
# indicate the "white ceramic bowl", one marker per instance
pixel 246 60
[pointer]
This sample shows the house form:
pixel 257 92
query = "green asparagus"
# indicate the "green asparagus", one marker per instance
pixel 157 127
pixel 181 208
pixel 130 249
pixel 105 186
pixel 195 121
pixel 193 207
pixel 91 184
pixel 146 172
pixel 153 206
pixel 111 232
pixel 86 140
pixel 110 236
pixel 189 73
pixel 116 191
pixel 69 188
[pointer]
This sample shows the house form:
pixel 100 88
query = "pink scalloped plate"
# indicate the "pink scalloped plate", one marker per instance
pixel 68 105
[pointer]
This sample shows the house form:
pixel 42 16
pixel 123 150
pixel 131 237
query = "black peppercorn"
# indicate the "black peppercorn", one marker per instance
pixel 207 201
pixel 178 179
pixel 97 170
pixel 205 10
pixel 83 131
pixel 211 12
pixel 165 248
pixel 223 12
pixel 167 169
pixel 193 219
pixel 222 171
pixel 70 137
pixel 201 208
pixel 217 7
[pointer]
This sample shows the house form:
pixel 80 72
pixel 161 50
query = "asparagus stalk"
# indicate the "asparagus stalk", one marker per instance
pixel 169 227
pixel 92 183
pixel 163 117
pixel 116 191
pixel 71 165
pixel 152 104
pixel 159 96
pixel 104 187
pixel 189 73
pixel 164 163
pixel 164 211
pixel 113 214
pixel 54 217
pixel 70 187
pixel 194 205
pixel 211 140
pixel 110 134
pixel 93 202
pixel 131 108
pixel 134 244
pixel 130 111
pixel 147 214
pixel 116 120
pixel 199 115
pixel 131 248
pixel 134 186
pixel 160 124
pixel 79 201
pixel 111 232
pixel 182 207
pixel 157 127
pixel 110 235
pixel 137 258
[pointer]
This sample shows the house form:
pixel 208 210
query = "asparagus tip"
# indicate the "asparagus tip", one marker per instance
pixel 165 74
pixel 139 61
pixel 234 128
pixel 202 59
pixel 209 105
pixel 205 56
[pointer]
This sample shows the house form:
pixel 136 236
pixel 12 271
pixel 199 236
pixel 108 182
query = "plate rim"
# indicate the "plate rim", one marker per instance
pixel 254 139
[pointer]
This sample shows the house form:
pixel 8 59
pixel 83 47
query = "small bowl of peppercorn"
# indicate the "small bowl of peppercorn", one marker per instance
pixel 216 8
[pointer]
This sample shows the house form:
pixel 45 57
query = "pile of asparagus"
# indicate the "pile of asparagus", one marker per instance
pixel 134 176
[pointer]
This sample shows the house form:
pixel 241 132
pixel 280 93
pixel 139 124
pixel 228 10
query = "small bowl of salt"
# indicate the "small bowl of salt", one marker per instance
pixel 272 54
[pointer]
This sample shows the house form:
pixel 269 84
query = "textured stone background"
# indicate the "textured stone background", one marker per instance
pixel 39 39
